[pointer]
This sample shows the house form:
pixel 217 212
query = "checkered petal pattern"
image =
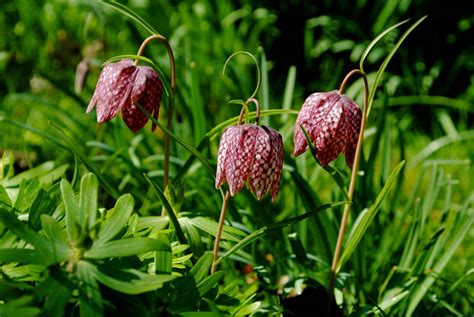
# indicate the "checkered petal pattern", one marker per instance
pixel 332 122
pixel 253 155
pixel 121 86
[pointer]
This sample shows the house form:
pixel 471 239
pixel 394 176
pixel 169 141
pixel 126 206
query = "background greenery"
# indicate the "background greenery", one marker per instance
pixel 414 255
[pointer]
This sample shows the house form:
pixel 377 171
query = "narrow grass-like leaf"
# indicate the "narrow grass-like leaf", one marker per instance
pixel 365 219
pixel 131 14
pixel 24 256
pixel 281 224
pixel 372 44
pixel 116 219
pixel 88 198
pixel 382 68
pixel 128 281
pixel 210 226
pixel 126 247
pixel 202 267
pixel 90 298
pixel 466 220
pixel 32 173
pixel 169 209
pixel 209 282
pixel 74 217
pixel 430 101
pixel 289 89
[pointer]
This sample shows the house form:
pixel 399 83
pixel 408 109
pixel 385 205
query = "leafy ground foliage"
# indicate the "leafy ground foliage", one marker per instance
pixel 82 230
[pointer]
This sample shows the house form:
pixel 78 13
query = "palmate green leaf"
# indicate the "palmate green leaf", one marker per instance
pixel 128 281
pixel 56 289
pixel 26 194
pixel 126 247
pixel 22 306
pixel 209 282
pixel 281 224
pixel 74 216
pixel 194 237
pixel 45 202
pixel 116 219
pixel 202 267
pixel 382 67
pixel 88 198
pixel 53 230
pixel 366 217
pixel 90 298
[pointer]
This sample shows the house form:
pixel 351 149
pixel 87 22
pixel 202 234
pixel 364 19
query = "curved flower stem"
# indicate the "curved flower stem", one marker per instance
pixel 257 108
pixel 217 241
pixel 169 118
pixel 352 183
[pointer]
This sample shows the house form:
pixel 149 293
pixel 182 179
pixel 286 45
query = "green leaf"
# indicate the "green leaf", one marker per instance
pixel 128 281
pixel 116 219
pixel 169 209
pixel 209 282
pixel 372 44
pixel 126 247
pixel 4 196
pixel 58 237
pixel 281 224
pixel 202 267
pixel 131 14
pixel 88 198
pixel 366 217
pixel 210 226
pixel 90 298
pixel 27 194
pixel 20 256
pixel 74 217
pixel 22 306
pixel 382 68
pixel 56 289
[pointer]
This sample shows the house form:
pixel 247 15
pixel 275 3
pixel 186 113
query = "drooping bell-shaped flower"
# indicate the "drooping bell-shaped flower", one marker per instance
pixel 332 122
pixel 250 154
pixel 121 86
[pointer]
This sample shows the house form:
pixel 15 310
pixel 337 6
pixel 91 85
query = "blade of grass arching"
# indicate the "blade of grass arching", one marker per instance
pixel 430 101
pixel 437 144
pixel 372 44
pixel 289 89
pixel 71 145
pixel 281 224
pixel 131 14
pixel 446 123
pixel 365 218
pixel 265 91
pixel 335 174
pixel 169 209
pixel 466 220
pixel 382 68
pixel 385 14
pixel 431 194
pixel 189 148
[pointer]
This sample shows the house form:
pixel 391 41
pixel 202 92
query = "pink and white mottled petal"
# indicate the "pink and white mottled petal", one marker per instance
pixel 353 121
pixel 311 116
pixel 146 91
pixel 331 139
pixel 230 134
pixel 259 178
pixel 277 162
pixel 239 157
pixel 113 89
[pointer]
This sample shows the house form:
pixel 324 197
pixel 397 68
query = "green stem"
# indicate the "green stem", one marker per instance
pixel 169 118
pixel 215 252
pixel 355 165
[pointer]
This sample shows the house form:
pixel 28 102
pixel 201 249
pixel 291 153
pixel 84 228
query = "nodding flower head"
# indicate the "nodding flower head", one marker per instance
pixel 250 154
pixel 121 86
pixel 332 122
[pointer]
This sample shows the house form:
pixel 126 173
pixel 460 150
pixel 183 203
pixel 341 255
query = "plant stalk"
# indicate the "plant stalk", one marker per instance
pixel 169 118
pixel 355 166
pixel 217 241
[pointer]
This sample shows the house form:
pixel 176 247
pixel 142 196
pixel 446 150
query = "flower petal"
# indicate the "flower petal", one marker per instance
pixel 260 174
pixel 331 139
pixel 352 122
pixel 312 114
pixel 146 91
pixel 277 162
pixel 113 89
pixel 230 135
pixel 239 157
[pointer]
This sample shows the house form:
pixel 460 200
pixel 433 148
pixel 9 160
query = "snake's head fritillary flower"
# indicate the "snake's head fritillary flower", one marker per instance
pixel 250 154
pixel 121 85
pixel 332 122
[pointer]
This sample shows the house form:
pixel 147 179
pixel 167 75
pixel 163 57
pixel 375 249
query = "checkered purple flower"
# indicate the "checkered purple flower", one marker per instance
pixel 250 154
pixel 332 122
pixel 121 86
